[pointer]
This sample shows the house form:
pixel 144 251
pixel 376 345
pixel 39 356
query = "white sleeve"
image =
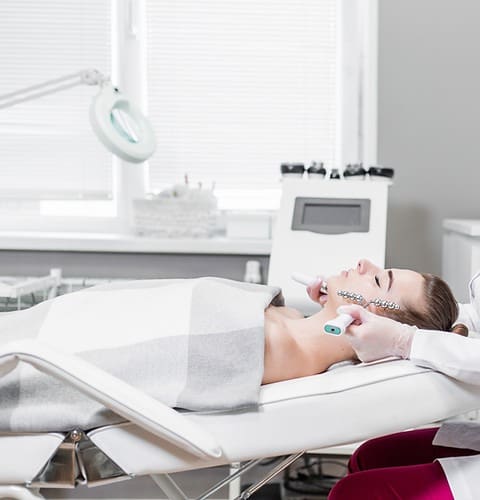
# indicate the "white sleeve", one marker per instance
pixel 449 353
pixel 469 314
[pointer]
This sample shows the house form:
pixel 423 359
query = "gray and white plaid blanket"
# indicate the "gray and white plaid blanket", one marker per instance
pixel 196 344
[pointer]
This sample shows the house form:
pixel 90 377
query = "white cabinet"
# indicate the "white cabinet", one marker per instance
pixel 460 254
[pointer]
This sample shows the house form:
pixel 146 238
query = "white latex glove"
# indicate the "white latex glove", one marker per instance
pixel 375 337
pixel 315 293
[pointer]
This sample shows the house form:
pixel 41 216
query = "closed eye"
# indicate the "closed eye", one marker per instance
pixel 377 281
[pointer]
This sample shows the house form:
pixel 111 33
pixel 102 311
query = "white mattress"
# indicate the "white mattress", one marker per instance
pixel 345 405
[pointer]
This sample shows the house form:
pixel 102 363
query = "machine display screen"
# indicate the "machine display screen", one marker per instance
pixel 332 215
pixel 328 214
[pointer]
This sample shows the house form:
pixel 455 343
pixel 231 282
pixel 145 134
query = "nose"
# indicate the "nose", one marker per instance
pixel 364 266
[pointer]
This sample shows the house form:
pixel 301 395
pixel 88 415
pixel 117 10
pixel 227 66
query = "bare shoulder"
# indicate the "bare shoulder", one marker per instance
pixel 284 356
pixel 281 349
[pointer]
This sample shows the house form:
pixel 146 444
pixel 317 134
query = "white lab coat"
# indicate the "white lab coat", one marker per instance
pixel 469 314
pixel 458 357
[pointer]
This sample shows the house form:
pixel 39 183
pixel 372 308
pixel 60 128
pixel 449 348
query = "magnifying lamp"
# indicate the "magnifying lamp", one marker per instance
pixel 119 125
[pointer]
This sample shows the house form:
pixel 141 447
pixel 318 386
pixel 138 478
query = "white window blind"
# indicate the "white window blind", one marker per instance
pixel 236 87
pixel 47 147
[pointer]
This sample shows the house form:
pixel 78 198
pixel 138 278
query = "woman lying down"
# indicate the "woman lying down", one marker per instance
pixel 203 344
pixel 296 346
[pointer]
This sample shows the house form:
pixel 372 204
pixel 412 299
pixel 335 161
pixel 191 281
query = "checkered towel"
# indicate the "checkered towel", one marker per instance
pixel 196 344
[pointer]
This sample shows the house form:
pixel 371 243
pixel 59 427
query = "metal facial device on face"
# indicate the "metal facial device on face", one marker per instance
pixel 338 325
pixel 359 299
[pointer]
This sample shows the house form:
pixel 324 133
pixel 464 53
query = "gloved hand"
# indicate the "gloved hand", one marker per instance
pixel 315 293
pixel 374 337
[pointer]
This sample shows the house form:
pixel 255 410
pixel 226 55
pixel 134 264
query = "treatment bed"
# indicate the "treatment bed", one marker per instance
pixel 346 404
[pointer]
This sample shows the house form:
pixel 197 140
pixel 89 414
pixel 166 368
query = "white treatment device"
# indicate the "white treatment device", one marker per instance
pixel 325 226
pixel 303 279
pixel 306 280
pixel 336 326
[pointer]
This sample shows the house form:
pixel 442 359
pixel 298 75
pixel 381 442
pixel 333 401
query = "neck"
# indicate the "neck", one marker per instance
pixel 312 325
pixel 324 349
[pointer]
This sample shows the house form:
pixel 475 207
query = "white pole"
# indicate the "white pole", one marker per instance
pixel 129 74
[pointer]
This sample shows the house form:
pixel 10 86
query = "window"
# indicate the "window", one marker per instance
pixel 238 87
pixel 48 150
pixel 234 88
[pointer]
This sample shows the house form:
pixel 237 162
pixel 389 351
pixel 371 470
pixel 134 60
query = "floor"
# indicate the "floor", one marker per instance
pixel 194 483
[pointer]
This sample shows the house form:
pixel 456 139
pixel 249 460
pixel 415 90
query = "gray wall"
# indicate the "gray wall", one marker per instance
pixel 126 265
pixel 428 120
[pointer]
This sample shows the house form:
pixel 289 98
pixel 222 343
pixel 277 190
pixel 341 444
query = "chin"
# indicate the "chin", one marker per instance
pixel 330 309
pixel 334 284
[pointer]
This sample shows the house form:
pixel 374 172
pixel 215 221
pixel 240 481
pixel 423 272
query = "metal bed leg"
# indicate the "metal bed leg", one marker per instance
pixel 241 469
pixel 232 477
pixel 169 486
pixel 20 493
pixel 277 469
pixel 236 483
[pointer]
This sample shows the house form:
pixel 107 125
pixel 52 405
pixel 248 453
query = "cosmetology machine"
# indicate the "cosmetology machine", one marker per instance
pixel 324 226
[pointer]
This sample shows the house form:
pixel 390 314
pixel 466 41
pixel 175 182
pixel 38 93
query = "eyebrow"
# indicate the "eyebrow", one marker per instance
pixel 390 279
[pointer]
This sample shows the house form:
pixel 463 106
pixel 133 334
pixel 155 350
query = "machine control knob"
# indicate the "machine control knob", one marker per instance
pixel 334 174
pixel 316 170
pixel 294 169
pixel 378 171
pixel 354 171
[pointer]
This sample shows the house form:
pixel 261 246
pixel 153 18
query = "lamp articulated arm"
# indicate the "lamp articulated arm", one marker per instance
pixel 84 77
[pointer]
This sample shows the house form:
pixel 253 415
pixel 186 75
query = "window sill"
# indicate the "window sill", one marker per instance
pixel 109 242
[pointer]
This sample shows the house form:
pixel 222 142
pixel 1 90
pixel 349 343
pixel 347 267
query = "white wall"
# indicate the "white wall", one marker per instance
pixel 429 122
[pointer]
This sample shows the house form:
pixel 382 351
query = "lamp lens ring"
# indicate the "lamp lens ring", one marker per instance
pixel 125 124
pixel 120 126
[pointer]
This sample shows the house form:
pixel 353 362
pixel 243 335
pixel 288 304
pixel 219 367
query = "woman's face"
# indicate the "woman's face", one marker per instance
pixel 372 282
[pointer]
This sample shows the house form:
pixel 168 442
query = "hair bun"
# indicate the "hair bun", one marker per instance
pixel 460 329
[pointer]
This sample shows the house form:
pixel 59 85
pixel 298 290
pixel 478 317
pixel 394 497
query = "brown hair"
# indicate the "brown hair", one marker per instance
pixel 439 312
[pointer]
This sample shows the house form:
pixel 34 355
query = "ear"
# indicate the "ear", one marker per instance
pixel 460 329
